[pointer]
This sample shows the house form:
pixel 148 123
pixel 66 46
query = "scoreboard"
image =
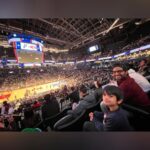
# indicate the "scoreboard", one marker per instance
pixel 27 49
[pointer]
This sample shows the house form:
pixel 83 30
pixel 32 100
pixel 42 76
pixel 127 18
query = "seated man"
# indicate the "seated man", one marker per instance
pixel 74 97
pixel 114 119
pixel 86 100
pixel 133 93
pixel 50 107
pixel 98 89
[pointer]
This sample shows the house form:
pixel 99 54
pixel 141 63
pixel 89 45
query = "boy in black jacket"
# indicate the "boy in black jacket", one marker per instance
pixel 111 119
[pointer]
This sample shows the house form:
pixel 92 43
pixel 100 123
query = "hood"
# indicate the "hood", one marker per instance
pixel 90 98
pixel 131 71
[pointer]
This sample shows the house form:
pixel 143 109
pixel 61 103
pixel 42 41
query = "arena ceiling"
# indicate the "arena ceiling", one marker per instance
pixel 68 33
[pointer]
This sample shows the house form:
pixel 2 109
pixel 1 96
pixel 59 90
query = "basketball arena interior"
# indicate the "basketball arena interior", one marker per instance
pixel 72 74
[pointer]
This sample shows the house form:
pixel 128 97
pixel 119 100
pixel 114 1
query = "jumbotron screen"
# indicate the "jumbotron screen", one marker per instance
pixel 29 53
pixel 27 49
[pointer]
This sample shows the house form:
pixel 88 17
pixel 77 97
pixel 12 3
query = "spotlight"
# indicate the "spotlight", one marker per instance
pixel 11 72
pixel 14 35
pixel 28 71
pixel 137 23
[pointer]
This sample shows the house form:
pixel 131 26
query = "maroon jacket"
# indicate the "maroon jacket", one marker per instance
pixel 133 94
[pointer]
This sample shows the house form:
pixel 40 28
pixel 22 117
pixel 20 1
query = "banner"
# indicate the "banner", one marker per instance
pixel 33 91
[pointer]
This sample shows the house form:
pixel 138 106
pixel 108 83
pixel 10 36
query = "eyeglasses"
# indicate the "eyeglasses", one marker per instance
pixel 117 71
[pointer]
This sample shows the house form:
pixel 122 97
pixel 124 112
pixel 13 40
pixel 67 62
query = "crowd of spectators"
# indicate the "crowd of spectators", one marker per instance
pixel 34 110
pixel 63 57
pixel 84 87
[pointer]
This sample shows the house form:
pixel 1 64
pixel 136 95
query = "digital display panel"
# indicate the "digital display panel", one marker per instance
pixel 93 48
pixel 29 53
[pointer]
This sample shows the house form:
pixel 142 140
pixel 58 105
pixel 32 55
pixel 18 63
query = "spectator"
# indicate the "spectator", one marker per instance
pixel 98 90
pixel 140 80
pixel 74 97
pixel 143 68
pixel 2 125
pixel 133 94
pixel 86 100
pixel 112 120
pixel 36 104
pixel 12 126
pixel 11 110
pixel 5 108
pixel 30 119
pixel 50 107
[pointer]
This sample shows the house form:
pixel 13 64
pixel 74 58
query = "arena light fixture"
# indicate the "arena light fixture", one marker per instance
pixel 137 23
pixel 14 35
pixel 28 71
pixel 11 72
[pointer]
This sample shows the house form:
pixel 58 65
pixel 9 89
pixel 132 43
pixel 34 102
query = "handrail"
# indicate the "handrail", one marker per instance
pixel 135 109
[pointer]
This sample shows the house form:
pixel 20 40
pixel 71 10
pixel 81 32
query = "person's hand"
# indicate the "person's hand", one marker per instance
pixel 91 115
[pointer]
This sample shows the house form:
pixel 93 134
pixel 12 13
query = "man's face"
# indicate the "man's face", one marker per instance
pixel 118 73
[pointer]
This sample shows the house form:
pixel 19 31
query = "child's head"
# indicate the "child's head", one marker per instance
pixel 112 96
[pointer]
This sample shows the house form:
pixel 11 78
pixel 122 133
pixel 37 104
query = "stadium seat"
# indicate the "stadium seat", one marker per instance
pixel 139 119
pixel 68 123
pixel 148 93
pixel 95 107
pixel 52 120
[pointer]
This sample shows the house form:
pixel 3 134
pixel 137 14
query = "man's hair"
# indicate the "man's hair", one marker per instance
pixel 123 66
pixel 5 103
pixel 72 88
pixel 83 89
pixel 95 78
pixel 113 90
pixel 47 97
